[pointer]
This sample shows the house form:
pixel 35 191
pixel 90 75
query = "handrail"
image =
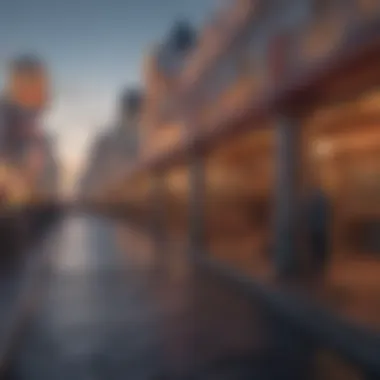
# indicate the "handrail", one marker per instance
pixel 357 345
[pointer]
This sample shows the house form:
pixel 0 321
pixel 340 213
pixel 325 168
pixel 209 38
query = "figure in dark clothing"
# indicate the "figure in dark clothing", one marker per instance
pixel 318 217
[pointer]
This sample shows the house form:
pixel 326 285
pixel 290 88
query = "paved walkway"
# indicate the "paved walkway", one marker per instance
pixel 108 314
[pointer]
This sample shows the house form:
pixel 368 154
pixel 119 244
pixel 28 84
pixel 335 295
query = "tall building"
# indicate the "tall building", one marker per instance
pixel 128 123
pixel 116 150
pixel 24 146
pixel 49 181
pixel 27 83
pixel 163 68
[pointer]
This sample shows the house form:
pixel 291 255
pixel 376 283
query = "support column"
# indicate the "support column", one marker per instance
pixel 288 199
pixel 158 222
pixel 197 194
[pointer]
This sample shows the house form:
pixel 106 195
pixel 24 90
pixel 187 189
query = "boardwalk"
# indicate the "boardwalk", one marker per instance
pixel 108 314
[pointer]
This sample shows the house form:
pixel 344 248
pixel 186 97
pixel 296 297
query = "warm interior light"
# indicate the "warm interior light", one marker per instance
pixel 323 148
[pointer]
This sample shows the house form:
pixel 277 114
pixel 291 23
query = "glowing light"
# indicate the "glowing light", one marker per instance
pixel 323 148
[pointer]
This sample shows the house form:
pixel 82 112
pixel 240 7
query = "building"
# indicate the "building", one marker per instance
pixel 115 151
pixel 249 52
pixel 97 163
pixel 126 131
pixel 291 88
pixel 49 183
pixel 159 125
pixel 24 146
pixel 197 82
pixel 28 83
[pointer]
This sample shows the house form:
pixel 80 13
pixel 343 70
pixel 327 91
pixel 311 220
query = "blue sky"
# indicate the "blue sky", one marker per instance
pixel 94 48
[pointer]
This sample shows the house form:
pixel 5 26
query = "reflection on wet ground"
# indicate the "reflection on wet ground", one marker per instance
pixel 115 309
pixel 109 315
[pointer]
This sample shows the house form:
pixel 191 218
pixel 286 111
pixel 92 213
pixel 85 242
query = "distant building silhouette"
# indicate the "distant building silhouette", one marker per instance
pixel 27 83
pixel 131 102
pixel 173 51
pixel 117 148
pixel 163 68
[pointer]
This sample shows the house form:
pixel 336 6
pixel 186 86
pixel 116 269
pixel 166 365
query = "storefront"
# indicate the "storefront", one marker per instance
pixel 345 149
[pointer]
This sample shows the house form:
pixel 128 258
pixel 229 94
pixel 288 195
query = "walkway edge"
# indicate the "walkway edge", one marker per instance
pixel 355 344
pixel 33 276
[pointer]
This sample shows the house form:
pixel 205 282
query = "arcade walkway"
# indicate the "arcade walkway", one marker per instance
pixel 111 311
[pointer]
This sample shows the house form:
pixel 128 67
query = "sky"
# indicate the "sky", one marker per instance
pixel 94 49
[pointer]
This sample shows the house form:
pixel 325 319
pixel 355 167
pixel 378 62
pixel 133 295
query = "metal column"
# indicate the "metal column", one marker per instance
pixel 287 198
pixel 197 186
pixel 158 211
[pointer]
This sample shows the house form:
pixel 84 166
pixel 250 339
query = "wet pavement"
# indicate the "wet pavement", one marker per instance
pixel 108 314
